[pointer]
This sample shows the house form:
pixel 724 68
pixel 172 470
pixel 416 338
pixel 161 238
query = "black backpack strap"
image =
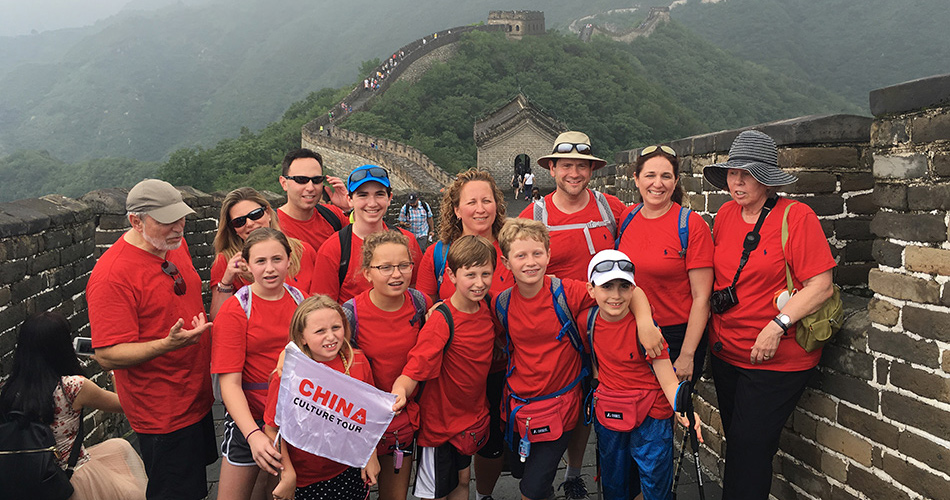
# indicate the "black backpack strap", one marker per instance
pixel 330 217
pixel 419 304
pixel 349 310
pixel 444 309
pixel 346 243
pixel 80 434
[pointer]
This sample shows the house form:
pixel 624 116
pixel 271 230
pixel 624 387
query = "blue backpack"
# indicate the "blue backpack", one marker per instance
pixel 418 302
pixel 683 228
pixel 439 256
pixel 568 327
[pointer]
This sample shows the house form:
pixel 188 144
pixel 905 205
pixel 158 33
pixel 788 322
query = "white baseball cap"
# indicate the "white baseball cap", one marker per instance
pixel 610 265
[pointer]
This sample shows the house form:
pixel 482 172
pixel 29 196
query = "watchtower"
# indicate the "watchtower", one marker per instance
pixel 518 23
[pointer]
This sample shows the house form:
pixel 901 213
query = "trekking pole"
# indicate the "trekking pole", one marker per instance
pixel 679 465
pixel 694 441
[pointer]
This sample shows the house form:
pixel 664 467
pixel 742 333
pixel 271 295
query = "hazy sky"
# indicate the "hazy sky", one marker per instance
pixel 21 17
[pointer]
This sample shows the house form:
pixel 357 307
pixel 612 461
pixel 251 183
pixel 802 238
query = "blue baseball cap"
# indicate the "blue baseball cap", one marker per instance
pixel 366 173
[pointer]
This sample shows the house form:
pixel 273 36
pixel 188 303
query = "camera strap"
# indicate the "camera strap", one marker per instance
pixel 751 241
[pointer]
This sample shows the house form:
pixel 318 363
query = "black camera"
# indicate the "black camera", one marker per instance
pixel 722 300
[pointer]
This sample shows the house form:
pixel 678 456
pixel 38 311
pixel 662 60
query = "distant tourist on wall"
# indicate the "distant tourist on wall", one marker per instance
pixel 516 183
pixel 535 194
pixel 416 216
pixel 148 325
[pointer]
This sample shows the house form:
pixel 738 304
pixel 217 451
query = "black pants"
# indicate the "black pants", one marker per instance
pixel 175 462
pixel 754 406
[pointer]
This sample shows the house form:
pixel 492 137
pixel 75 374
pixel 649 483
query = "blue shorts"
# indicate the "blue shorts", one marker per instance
pixel 649 447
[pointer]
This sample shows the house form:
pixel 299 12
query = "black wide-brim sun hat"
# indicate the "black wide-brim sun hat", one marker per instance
pixel 756 153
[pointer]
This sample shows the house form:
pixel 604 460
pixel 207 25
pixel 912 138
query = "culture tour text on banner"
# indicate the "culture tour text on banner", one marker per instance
pixel 328 413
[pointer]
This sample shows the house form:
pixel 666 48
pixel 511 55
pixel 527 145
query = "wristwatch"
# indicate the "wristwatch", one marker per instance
pixel 783 321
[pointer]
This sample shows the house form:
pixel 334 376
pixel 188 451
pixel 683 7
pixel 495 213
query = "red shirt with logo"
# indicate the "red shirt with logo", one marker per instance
pixel 429 285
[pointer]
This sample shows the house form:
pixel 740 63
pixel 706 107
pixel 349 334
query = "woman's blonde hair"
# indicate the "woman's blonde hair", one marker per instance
pixel 299 322
pixel 373 241
pixel 450 226
pixel 228 243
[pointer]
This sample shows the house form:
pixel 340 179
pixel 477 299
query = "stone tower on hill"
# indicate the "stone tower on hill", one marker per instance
pixel 517 129
pixel 518 23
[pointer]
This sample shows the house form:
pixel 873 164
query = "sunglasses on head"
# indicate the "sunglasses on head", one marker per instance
pixel 303 179
pixel 608 265
pixel 359 175
pixel 649 150
pixel 255 214
pixel 566 147
pixel 170 269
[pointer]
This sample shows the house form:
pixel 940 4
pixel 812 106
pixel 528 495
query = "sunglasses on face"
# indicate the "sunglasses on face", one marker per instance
pixel 255 214
pixel 608 265
pixel 303 179
pixel 359 175
pixel 566 147
pixel 170 269
pixel 387 269
pixel 649 150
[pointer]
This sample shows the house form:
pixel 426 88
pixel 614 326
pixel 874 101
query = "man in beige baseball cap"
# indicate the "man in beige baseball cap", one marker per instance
pixel 148 325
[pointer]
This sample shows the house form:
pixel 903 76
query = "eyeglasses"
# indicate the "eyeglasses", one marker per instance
pixel 387 269
pixel 170 269
pixel 608 265
pixel 255 214
pixel 649 150
pixel 566 147
pixel 303 179
pixel 372 171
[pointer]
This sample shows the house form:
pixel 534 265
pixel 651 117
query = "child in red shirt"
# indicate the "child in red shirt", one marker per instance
pixel 385 321
pixel 631 413
pixel 542 362
pixel 250 333
pixel 454 359
pixel 319 328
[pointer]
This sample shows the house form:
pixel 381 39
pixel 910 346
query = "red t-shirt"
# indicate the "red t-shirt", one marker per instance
pixel 454 396
pixel 301 280
pixel 386 339
pixel 427 282
pixel 251 346
pixel 570 253
pixel 653 246
pixel 314 230
pixel 132 300
pixel 326 275
pixel 312 468
pixel 620 362
pixel 808 255
pixel 541 363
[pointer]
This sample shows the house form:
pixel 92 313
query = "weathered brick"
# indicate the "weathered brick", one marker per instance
pixel 715 200
pixel 838 493
pixel 823 204
pixel 915 413
pixel 811 157
pixel 900 286
pixel 113 222
pixel 916 478
pixel 856 364
pixel 862 204
pixel 926 323
pixel 927 260
pixel 851 274
pixel 804 424
pixel 899 166
pixel 5 296
pixel 946 361
pixel 692 184
pixel 813 182
pixel 901 346
pixel 858 251
pixel 883 312
pixel 828 228
pixel 873 486
pixel 852 228
pixel 12 271
pixel 910 227
pixel 860 181
pixel 27 287
pixel 55 238
pixel 887 253
pixel 850 389
pixel 818 403
pixel 925 129
pixel 833 466
pixel 868 425
pixel 813 483
pixel 928 385
pixel 883 369
pixel 928 198
pixel 941 164
pixel 796 446
pixel 890 132
pixel 924 448
pixel 845 442
pixel 42 262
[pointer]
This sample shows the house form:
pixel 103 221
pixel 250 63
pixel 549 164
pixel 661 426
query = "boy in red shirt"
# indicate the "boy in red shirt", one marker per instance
pixel 542 361
pixel 454 360
pixel 635 394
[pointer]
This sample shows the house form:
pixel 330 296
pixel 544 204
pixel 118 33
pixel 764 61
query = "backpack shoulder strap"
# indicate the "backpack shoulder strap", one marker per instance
pixel 419 304
pixel 683 229
pixel 330 217
pixel 788 272
pixel 591 321
pixel 606 214
pixel 540 211
pixel 296 294
pixel 346 243
pixel 349 309
pixel 439 256
pixel 244 298
pixel 626 222
pixel 444 309
pixel 501 308
pixel 564 315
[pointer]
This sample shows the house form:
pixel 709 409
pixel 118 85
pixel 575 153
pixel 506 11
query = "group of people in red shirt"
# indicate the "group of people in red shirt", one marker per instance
pixel 504 357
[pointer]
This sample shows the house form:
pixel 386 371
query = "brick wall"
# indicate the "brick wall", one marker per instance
pixel 498 155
